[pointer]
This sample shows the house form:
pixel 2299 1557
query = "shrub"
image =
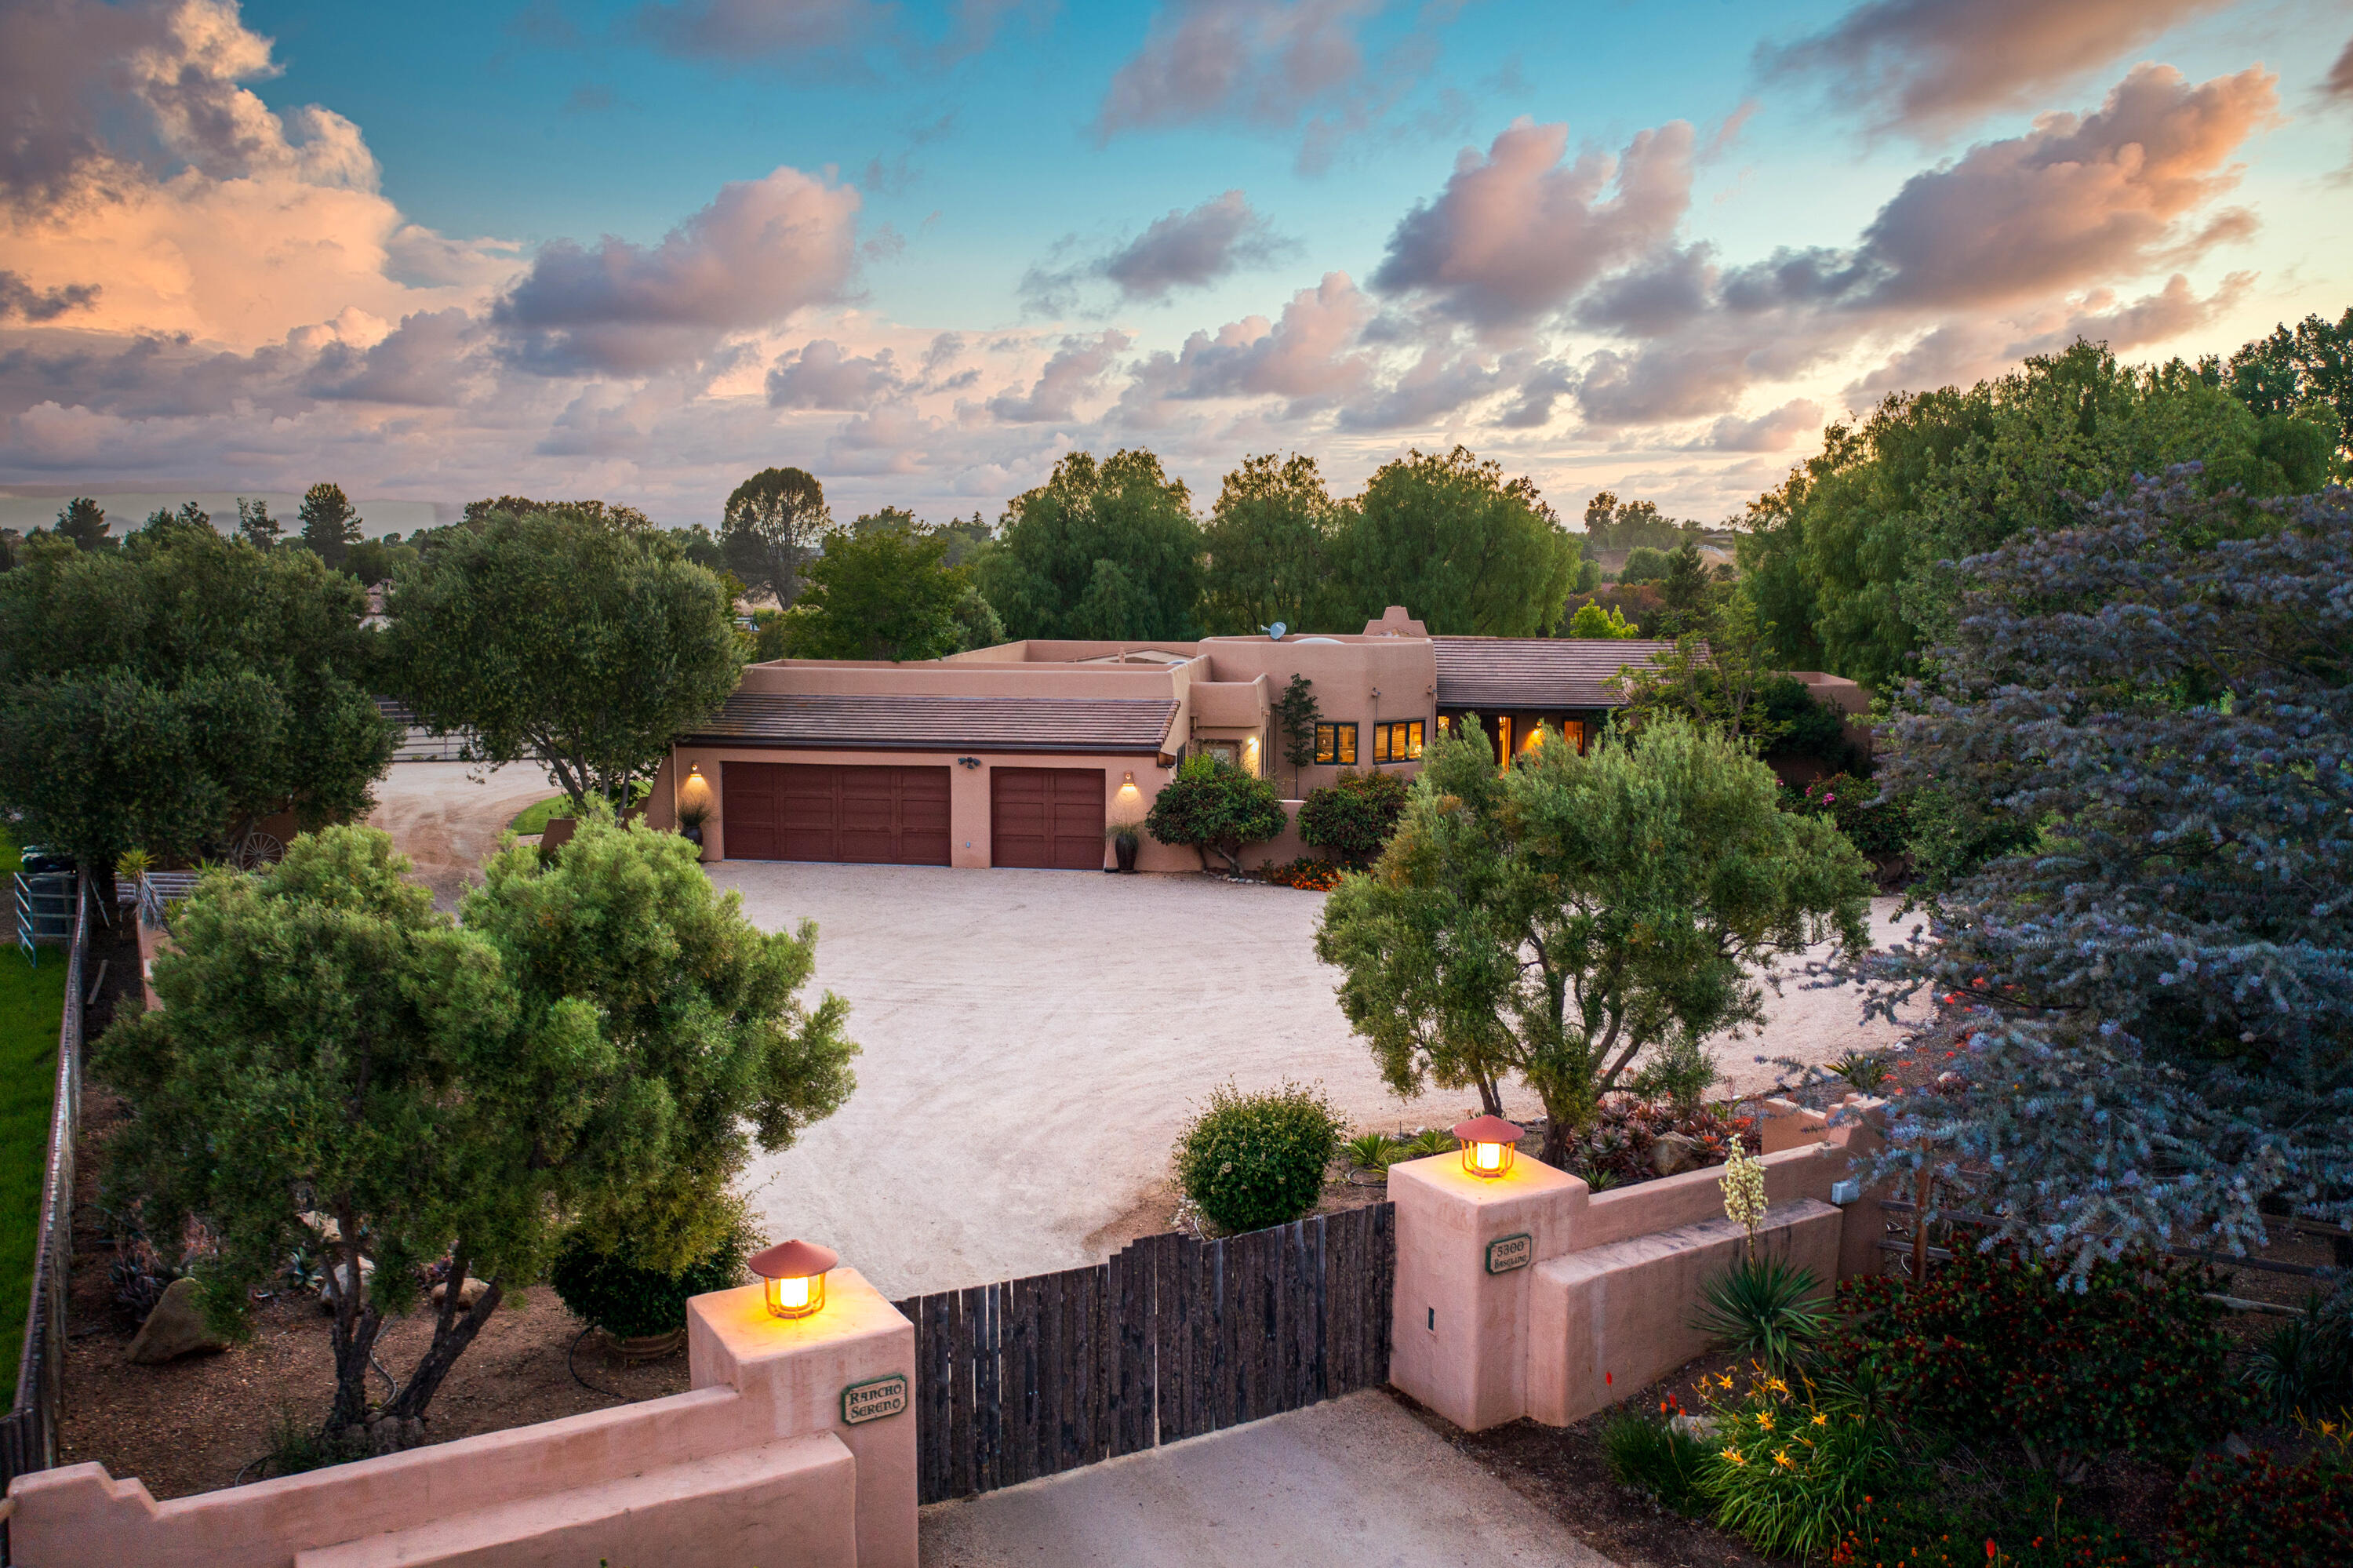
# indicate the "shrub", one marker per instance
pixel 1617 1149
pixel 1802 725
pixel 1758 1310
pixel 1879 829
pixel 2022 1530
pixel 2257 1512
pixel 1794 1465
pixel 2306 1363
pixel 1994 1345
pixel 633 1303
pixel 1307 876
pixel 1253 1160
pixel 1354 817
pixel 1654 1457
pixel 1213 805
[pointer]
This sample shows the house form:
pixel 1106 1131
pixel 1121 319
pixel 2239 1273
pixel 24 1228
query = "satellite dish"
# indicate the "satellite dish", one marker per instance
pixel 1274 632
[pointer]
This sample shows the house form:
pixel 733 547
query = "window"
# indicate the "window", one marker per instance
pixel 1336 743
pixel 1397 742
pixel 1223 750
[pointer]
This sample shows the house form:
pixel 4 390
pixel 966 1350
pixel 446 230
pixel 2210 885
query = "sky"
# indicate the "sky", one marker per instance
pixel 639 250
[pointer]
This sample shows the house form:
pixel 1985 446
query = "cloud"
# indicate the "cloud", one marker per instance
pixel 422 363
pixel 1265 61
pixel 20 300
pixel 1516 234
pixel 1776 430
pixel 821 375
pixel 2340 84
pixel 1076 370
pixel 1310 357
pixel 761 249
pixel 1183 250
pixel 1927 66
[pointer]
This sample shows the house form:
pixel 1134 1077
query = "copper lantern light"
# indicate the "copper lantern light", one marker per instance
pixel 1487 1145
pixel 794 1272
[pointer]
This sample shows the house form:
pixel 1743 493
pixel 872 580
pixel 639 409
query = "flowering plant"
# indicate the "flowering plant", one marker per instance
pixel 1794 1462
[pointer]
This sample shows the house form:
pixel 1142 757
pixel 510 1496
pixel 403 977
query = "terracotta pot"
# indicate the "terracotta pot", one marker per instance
pixel 645 1347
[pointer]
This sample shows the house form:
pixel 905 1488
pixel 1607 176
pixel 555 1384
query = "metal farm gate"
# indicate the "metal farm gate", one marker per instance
pixel 1170 1338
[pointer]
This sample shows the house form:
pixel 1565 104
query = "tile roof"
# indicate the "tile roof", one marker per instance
pixel 1533 673
pixel 880 722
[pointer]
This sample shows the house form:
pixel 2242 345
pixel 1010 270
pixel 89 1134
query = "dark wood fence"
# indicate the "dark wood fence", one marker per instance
pixel 1171 1338
pixel 28 1433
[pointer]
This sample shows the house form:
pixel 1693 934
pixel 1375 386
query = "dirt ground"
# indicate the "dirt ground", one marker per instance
pixel 448 816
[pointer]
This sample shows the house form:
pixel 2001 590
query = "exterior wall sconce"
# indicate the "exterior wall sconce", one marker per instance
pixel 1487 1149
pixel 695 789
pixel 967 762
pixel 1127 783
pixel 794 1272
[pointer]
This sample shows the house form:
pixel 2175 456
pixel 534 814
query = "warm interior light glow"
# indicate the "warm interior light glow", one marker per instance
pixel 1487 1156
pixel 793 1276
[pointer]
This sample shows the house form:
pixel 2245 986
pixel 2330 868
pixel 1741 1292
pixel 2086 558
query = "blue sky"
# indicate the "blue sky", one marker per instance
pixel 410 287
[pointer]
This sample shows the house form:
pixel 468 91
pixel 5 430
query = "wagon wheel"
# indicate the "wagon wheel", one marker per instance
pixel 260 848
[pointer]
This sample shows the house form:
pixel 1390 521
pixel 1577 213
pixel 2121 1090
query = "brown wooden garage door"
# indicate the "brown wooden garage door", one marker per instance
pixel 1050 817
pixel 873 816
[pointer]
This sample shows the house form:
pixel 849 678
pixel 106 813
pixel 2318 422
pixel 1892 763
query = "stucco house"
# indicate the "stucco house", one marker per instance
pixel 1020 755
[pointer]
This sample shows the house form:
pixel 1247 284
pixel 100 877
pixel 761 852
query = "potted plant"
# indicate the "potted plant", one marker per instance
pixel 691 815
pixel 1124 838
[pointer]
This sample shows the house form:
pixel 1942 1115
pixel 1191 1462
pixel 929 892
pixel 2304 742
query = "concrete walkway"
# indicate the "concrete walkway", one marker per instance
pixel 1358 1483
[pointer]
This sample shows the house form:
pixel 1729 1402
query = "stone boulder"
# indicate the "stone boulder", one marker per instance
pixel 338 1276
pixel 175 1328
pixel 469 1293
pixel 1672 1153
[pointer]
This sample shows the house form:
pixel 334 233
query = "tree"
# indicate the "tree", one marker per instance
pixel 1687 593
pixel 1593 620
pixel 1467 552
pixel 773 524
pixel 1101 550
pixel 1643 564
pixel 1713 676
pixel 1611 525
pixel 1852 559
pixel 2160 703
pixel 2306 372
pixel 977 621
pixel 191 521
pixel 170 694
pixel 256 525
pixel 603 1037
pixel 879 593
pixel 1269 547
pixel 560 638
pixel 1568 915
pixel 330 524
pixel 83 521
pixel 1296 715
pixel 1212 804
pixel 374 561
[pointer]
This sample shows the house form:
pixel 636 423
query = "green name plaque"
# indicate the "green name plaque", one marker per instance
pixel 1505 1254
pixel 873 1399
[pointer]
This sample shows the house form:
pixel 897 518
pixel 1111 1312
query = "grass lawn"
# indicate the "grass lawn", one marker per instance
pixel 532 819
pixel 32 1003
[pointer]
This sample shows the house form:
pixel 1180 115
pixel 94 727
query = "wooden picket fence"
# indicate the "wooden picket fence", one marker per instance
pixel 1169 1339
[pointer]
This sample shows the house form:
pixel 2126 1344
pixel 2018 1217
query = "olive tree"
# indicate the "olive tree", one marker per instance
pixel 338 1065
pixel 2158 704
pixel 562 637
pixel 1568 916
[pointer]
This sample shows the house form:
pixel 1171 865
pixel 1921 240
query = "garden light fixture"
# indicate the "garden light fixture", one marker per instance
pixel 794 1272
pixel 1487 1145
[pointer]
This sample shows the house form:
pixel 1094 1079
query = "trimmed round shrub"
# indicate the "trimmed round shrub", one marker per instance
pixel 1253 1160
pixel 1212 804
pixel 1354 817
pixel 633 1303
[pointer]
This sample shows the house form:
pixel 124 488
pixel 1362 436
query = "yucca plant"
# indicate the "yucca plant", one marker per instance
pixel 1371 1150
pixel 1758 1309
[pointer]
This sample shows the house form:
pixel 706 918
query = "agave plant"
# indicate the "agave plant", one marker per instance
pixel 1428 1141
pixel 1862 1071
pixel 1371 1150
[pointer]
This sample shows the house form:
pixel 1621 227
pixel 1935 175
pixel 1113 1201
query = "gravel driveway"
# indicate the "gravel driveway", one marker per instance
pixel 1034 1039
pixel 447 817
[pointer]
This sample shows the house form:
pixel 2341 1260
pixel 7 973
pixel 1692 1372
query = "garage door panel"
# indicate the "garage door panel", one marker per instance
pixel 1050 818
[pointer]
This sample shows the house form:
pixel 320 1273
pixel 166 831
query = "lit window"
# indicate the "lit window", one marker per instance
pixel 1336 743
pixel 1399 741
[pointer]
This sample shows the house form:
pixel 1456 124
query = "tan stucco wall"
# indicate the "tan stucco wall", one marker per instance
pixel 1603 1306
pixel 754 1466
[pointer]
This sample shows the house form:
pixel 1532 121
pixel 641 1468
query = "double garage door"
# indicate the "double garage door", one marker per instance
pixel 874 816
pixel 1049 817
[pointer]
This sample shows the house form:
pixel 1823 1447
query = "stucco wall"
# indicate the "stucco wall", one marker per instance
pixel 755 1465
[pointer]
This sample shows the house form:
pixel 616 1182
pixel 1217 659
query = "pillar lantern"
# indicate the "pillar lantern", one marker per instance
pixel 1487 1145
pixel 794 1272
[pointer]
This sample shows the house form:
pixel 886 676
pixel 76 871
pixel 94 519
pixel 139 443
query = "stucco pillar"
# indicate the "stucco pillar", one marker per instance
pixel 1466 1252
pixel 848 1371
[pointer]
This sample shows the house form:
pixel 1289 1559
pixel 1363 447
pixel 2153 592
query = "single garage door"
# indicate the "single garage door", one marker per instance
pixel 873 816
pixel 1050 817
